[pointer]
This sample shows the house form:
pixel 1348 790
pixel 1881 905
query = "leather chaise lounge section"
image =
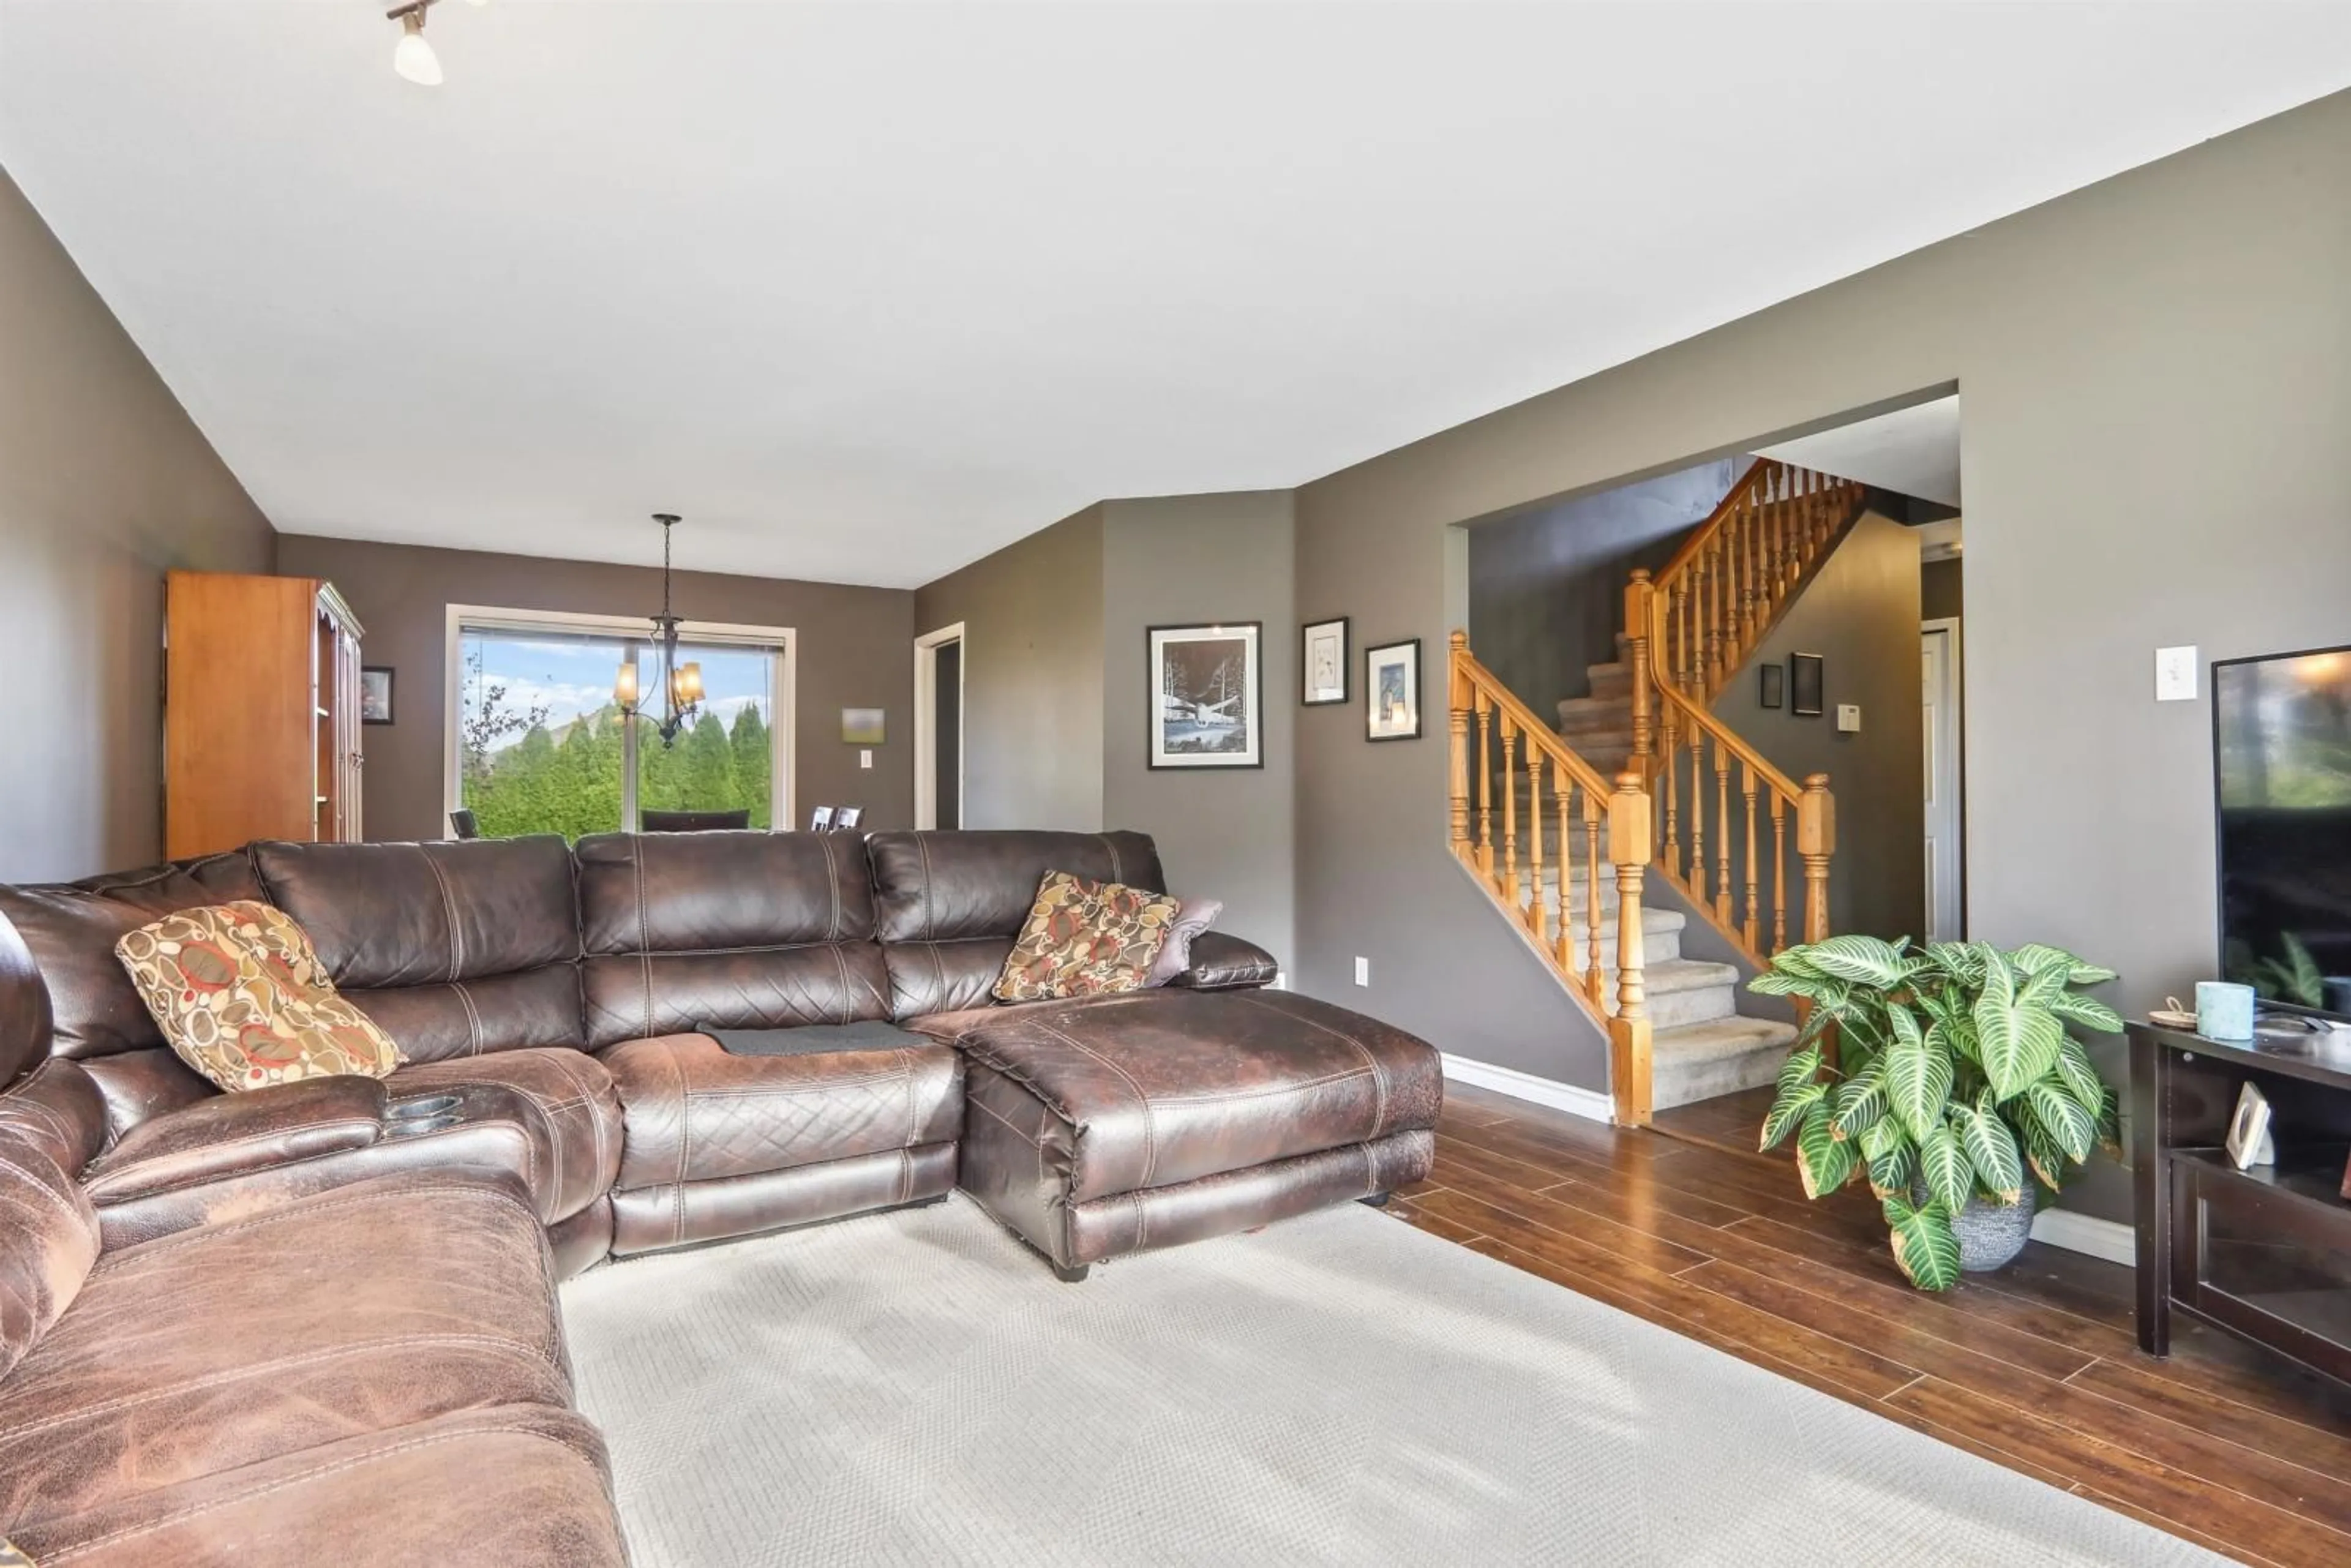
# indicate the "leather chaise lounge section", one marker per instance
pixel 316 1322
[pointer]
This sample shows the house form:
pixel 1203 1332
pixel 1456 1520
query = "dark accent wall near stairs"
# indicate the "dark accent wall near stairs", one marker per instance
pixel 1860 613
pixel 1547 586
pixel 105 485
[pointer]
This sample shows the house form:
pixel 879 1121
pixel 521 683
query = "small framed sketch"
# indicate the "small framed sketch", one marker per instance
pixel 1323 662
pixel 1207 703
pixel 1774 685
pixel 1804 682
pixel 820 819
pixel 375 693
pixel 1392 691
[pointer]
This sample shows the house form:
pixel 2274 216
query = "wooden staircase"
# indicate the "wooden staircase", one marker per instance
pixel 1551 829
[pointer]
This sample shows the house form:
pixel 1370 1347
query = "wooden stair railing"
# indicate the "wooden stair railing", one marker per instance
pixel 1725 587
pixel 1720 799
pixel 1611 818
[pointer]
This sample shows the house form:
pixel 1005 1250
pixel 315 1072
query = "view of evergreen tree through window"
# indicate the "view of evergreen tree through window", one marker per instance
pixel 543 748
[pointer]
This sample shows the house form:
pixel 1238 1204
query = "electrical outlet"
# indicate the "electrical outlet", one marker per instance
pixel 865 759
pixel 2175 675
pixel 1363 971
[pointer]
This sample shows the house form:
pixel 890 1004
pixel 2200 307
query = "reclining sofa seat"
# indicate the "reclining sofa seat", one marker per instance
pixel 370 1376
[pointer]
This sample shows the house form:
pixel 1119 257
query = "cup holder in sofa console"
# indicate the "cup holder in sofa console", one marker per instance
pixel 416 1126
pixel 422 1106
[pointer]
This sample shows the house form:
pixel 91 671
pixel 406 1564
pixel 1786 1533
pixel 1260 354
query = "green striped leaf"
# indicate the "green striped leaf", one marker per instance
pixel 2080 1079
pixel 1958 960
pixel 1917 1081
pixel 1824 1160
pixel 1991 1150
pixel 1859 1102
pixel 1789 1109
pixel 2034 957
pixel 2073 1128
pixel 1950 1175
pixel 2015 1044
pixel 1923 1248
pixel 1866 960
pixel 2088 1011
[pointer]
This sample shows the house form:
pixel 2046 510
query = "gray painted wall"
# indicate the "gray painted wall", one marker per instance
pixel 1547 586
pixel 855 650
pixel 2157 376
pixel 1191 560
pixel 1860 613
pixel 1032 617
pixel 1940 596
pixel 105 485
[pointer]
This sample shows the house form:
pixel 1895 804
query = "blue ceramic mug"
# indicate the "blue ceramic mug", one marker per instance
pixel 2224 1010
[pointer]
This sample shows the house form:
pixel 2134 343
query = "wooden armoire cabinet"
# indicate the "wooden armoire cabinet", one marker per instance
pixel 261 712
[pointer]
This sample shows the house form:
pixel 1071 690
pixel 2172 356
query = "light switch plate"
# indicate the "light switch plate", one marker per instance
pixel 1848 719
pixel 2175 675
pixel 1363 971
pixel 865 759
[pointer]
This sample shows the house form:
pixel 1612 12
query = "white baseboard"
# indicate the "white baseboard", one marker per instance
pixel 1589 1103
pixel 2107 1239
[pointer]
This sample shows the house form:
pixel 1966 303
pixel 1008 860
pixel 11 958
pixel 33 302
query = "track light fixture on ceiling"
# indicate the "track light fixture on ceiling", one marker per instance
pixel 413 57
pixel 681 683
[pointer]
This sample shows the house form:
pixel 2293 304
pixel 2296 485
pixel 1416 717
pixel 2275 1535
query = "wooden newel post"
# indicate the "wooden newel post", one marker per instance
pixel 1629 849
pixel 1638 597
pixel 1815 843
pixel 1457 701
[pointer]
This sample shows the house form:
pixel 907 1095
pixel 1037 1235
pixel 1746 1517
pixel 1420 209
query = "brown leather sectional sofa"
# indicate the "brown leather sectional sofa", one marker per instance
pixel 315 1323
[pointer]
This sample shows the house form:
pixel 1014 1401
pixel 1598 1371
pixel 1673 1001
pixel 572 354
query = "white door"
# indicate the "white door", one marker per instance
pixel 1939 690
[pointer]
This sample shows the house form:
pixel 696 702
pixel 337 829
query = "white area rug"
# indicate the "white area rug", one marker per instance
pixel 918 1389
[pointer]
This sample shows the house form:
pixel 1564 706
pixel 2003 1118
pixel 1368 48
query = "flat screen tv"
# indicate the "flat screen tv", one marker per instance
pixel 2282 760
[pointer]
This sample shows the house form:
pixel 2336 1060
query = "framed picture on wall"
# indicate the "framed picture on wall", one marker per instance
pixel 1206 704
pixel 1392 691
pixel 375 693
pixel 1805 679
pixel 1323 662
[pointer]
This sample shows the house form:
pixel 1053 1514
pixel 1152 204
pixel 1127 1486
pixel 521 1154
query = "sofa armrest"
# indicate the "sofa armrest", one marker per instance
pixel 234 1134
pixel 1221 962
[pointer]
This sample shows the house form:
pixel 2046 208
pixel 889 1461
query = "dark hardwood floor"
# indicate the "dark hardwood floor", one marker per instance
pixel 2035 1368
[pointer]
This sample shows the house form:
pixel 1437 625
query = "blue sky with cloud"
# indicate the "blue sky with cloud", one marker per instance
pixel 574 675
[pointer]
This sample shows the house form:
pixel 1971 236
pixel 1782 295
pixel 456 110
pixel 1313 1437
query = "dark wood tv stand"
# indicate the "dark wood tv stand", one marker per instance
pixel 2264 1253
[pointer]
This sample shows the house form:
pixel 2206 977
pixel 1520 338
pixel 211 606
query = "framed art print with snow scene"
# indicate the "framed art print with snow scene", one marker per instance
pixel 1392 691
pixel 1207 702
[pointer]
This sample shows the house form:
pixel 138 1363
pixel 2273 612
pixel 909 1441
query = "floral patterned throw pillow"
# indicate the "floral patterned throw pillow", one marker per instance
pixel 1086 939
pixel 241 998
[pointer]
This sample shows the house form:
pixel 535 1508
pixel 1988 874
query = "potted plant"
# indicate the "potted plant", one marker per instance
pixel 1955 1081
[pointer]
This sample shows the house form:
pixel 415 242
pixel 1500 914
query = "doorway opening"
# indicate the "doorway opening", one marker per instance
pixel 938 727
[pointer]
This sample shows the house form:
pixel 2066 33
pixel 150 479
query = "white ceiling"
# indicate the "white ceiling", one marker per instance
pixel 867 289
pixel 1913 450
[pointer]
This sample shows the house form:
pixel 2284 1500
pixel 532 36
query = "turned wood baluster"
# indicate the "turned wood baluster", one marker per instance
pixel 1681 633
pixel 1535 838
pixel 1485 785
pixel 1668 734
pixel 1750 526
pixel 1509 813
pixel 1596 979
pixel 1722 832
pixel 1751 925
pixel 1816 842
pixel 1639 600
pixel 1779 879
pixel 1695 879
pixel 1718 595
pixel 1819 514
pixel 1457 701
pixel 1566 943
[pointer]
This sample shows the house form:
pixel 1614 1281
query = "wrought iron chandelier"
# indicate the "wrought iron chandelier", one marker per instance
pixel 681 683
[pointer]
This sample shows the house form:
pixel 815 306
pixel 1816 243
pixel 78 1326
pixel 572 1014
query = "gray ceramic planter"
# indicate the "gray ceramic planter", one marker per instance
pixel 1991 1234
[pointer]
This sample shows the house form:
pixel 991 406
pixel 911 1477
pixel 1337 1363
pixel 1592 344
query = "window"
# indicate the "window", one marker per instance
pixel 536 745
